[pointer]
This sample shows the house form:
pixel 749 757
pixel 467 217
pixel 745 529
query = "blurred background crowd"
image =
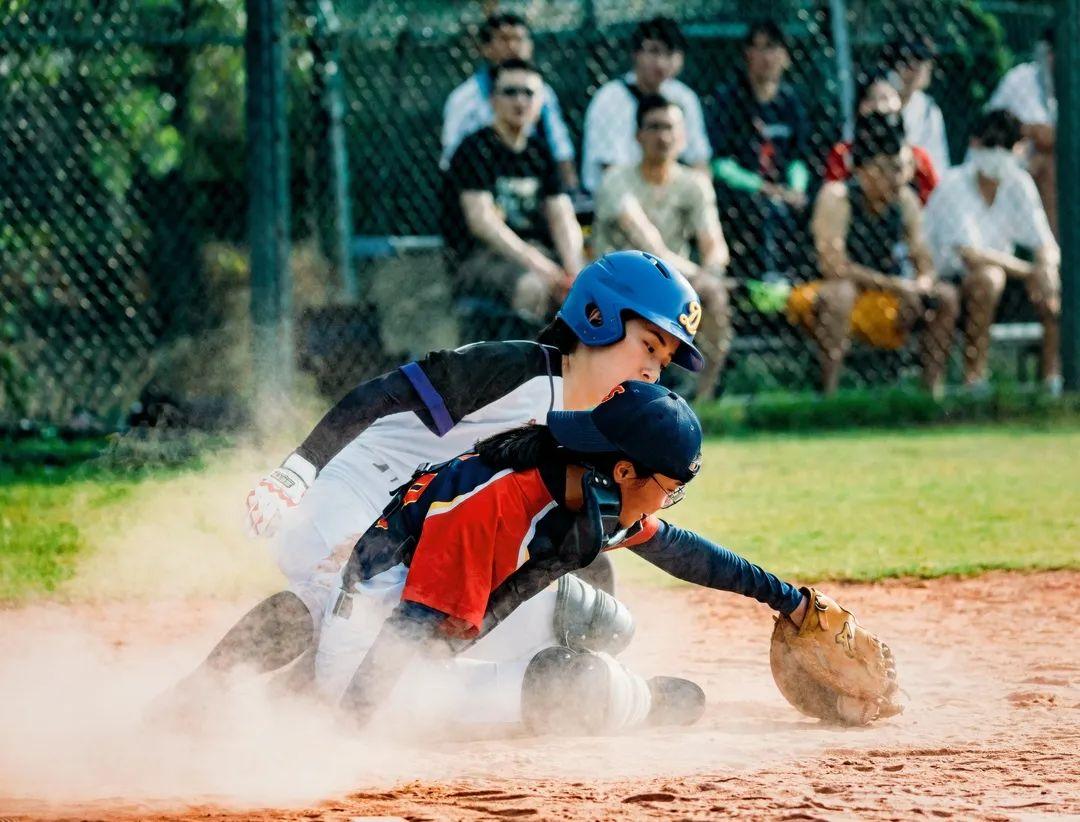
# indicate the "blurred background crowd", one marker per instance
pixel 862 194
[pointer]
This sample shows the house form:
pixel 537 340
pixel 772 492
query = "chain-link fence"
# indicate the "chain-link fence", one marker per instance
pixel 429 202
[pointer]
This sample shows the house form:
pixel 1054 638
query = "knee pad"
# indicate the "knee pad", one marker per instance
pixel 573 692
pixel 588 619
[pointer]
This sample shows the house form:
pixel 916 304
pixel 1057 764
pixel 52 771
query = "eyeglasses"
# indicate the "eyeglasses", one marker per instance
pixel 671 497
pixel 516 91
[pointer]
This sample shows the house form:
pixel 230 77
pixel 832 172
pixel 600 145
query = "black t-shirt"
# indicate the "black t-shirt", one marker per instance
pixel 764 138
pixel 520 182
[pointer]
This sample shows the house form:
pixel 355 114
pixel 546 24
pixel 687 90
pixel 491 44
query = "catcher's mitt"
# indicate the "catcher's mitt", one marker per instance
pixel 832 668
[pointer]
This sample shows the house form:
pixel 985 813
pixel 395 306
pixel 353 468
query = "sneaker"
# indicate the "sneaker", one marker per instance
pixel 675 701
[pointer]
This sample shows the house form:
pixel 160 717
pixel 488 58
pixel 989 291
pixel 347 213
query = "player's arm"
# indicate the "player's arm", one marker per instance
pixel 712 246
pixel 486 224
pixel 441 389
pixel 918 250
pixel 1042 135
pixel 829 226
pixel 565 232
pixel 286 485
pixel 453 126
pixel 692 558
pixel 410 629
pixel 1032 230
pixel 642 234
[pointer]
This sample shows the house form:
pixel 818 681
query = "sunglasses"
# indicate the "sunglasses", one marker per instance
pixel 671 497
pixel 516 91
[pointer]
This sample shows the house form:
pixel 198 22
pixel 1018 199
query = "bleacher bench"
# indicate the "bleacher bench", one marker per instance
pixel 327 333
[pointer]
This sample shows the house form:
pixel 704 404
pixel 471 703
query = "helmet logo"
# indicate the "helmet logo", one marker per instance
pixel 618 389
pixel 692 318
pixel 694 466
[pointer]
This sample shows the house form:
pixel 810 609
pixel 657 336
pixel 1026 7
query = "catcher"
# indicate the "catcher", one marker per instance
pixel 458 569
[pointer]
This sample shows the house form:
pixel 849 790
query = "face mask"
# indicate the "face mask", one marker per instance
pixel 994 163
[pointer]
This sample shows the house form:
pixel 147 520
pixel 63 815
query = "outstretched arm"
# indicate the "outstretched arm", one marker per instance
pixel 690 557
pixel 410 629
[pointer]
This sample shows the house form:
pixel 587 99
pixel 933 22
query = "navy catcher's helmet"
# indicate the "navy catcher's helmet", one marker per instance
pixel 643 285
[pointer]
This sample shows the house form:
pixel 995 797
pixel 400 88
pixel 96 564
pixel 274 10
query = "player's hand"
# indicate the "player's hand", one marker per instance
pixel 551 272
pixel 971 256
pixel 772 191
pixel 278 491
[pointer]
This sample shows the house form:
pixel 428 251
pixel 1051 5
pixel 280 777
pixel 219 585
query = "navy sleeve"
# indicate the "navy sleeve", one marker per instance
pixel 455 383
pixel 440 389
pixel 389 394
pixel 691 557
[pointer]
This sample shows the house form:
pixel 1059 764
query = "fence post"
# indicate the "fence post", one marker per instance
pixel 1067 54
pixel 845 76
pixel 328 37
pixel 268 210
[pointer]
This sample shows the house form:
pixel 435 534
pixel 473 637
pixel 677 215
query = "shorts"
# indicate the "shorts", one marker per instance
pixel 489 274
pixel 875 317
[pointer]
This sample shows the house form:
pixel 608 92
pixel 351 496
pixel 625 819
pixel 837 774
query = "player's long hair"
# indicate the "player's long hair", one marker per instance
pixel 559 335
pixel 533 445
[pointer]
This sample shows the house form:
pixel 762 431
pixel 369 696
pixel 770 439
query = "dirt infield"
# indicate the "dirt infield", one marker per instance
pixel 991 666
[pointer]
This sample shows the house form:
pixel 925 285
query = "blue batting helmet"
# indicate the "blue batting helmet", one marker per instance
pixel 645 286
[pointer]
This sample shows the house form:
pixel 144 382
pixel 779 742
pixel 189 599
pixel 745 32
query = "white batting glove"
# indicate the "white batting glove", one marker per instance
pixel 278 491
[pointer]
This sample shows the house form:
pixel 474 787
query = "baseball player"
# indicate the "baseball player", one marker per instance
pixel 472 544
pixel 478 539
pixel 627 316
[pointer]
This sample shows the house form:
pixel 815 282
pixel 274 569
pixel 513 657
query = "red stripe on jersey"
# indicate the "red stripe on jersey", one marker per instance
pixel 468 548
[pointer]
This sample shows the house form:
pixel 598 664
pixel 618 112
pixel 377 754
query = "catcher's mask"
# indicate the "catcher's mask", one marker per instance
pixel 603 501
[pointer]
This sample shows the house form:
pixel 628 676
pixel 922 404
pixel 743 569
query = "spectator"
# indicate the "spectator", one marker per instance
pixel 878 280
pixel 912 64
pixel 876 93
pixel 661 207
pixel 759 129
pixel 503 36
pixel 509 220
pixel 658 47
pixel 977 217
pixel 1027 91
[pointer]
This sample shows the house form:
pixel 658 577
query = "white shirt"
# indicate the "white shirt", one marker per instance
pixel 957 215
pixel 925 127
pixel 1024 92
pixel 468 109
pixel 611 128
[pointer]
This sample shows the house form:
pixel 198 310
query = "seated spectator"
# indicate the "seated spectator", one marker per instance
pixel 511 230
pixel 662 207
pixel 1027 90
pixel 979 214
pixel 878 281
pixel 876 93
pixel 503 36
pixel 658 46
pixel 912 65
pixel 759 128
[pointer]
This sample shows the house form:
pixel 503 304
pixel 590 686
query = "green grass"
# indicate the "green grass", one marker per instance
pixel 40 537
pixel 855 505
pixel 871 505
